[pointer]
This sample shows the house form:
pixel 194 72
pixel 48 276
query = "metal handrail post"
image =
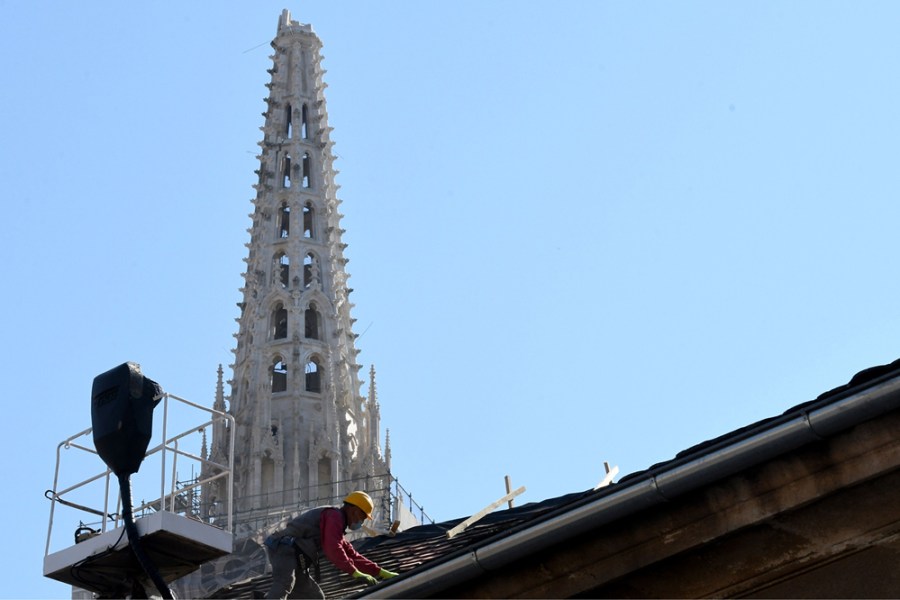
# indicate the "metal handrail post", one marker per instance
pixel 162 475
pixel 64 443
pixel 105 503
pixel 172 489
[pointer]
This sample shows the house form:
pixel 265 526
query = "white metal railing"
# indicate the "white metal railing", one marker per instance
pixel 169 490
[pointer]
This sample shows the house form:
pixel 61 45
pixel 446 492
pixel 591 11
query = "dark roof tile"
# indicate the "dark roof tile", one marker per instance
pixel 410 549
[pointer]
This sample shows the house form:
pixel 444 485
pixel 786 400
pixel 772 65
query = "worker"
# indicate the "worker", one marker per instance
pixel 295 548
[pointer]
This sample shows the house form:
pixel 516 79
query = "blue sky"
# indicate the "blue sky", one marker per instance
pixel 578 231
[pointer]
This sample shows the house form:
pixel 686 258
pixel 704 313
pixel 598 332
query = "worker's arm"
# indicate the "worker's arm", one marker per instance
pixel 339 550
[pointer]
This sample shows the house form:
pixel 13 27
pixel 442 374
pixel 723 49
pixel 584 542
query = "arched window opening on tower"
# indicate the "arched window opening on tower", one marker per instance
pixel 307 170
pixel 308 221
pixel 286 171
pixel 304 122
pixel 279 322
pixel 284 220
pixel 282 269
pixel 313 381
pixel 313 322
pixel 310 271
pixel 279 375
pixel 287 122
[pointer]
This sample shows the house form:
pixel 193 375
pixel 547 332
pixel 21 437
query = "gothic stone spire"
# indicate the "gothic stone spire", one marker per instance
pixel 301 425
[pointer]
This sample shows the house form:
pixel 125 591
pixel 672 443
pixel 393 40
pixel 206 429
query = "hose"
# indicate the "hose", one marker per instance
pixel 134 540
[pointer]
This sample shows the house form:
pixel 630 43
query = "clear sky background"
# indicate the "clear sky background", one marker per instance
pixel 578 231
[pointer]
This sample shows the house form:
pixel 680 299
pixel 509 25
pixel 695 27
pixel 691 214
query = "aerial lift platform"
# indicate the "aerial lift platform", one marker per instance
pixel 179 529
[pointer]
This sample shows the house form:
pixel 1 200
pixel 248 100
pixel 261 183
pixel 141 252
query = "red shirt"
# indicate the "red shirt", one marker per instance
pixel 339 550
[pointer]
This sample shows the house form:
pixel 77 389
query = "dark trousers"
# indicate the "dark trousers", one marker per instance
pixel 289 578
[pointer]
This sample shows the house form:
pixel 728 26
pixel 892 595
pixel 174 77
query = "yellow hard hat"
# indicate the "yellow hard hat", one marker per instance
pixel 362 501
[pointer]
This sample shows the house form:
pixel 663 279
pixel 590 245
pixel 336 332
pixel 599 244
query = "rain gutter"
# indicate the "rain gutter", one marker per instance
pixel 657 486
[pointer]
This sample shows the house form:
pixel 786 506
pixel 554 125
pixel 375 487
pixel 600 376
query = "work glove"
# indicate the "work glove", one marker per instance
pixel 367 578
pixel 385 574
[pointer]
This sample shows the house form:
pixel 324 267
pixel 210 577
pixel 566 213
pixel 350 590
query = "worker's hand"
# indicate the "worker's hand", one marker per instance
pixel 367 578
pixel 385 574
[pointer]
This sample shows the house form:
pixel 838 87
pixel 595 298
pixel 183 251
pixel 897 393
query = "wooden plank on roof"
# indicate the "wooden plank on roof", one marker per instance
pixel 483 513
pixel 610 475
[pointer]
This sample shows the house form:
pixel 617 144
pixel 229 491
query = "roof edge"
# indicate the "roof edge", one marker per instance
pixel 773 438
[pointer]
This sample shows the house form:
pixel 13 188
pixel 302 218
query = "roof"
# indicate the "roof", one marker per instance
pixel 411 549
pixel 427 559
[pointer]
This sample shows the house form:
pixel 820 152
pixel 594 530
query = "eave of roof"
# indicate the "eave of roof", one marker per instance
pixel 870 393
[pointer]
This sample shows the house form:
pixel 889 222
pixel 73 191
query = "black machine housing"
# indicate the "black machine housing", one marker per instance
pixel 122 403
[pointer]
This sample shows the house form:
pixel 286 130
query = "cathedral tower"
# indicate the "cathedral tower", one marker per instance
pixel 304 433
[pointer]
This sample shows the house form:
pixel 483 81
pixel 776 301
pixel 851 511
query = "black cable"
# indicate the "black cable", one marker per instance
pixel 82 577
pixel 134 540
